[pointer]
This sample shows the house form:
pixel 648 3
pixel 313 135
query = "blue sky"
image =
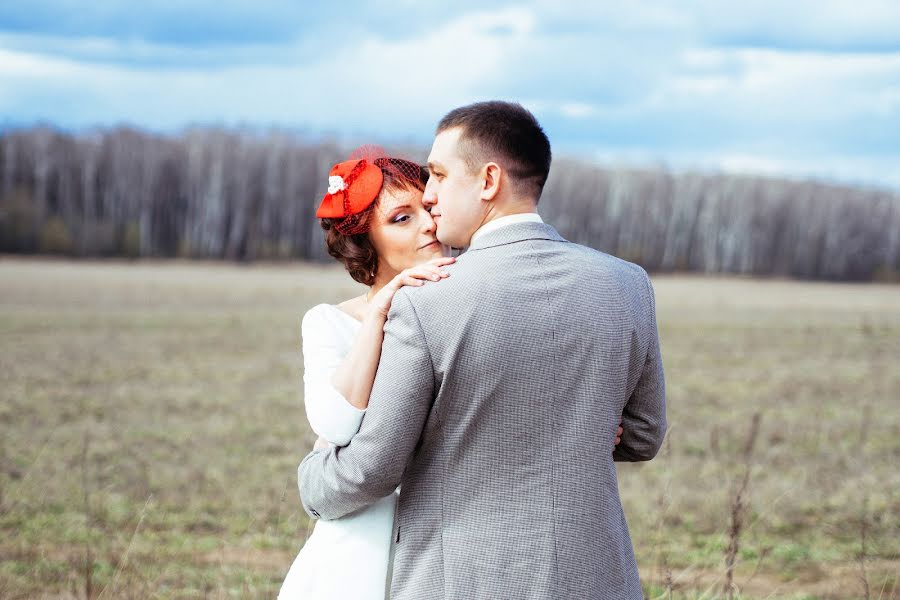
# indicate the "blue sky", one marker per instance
pixel 798 88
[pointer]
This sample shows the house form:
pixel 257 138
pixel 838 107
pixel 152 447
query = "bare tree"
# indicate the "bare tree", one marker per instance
pixel 244 194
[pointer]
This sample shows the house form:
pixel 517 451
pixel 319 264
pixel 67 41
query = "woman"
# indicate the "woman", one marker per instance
pixel 375 223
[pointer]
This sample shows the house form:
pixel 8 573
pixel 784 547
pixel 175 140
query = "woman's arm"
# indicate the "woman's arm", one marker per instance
pixel 353 378
pixel 329 414
pixel 356 374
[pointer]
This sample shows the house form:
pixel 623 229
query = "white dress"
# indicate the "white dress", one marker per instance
pixel 346 558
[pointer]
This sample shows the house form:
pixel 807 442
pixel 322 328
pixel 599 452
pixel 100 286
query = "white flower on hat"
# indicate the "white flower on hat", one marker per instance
pixel 336 184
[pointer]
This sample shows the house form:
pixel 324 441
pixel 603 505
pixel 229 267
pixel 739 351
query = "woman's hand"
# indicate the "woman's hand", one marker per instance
pixel 380 303
pixel 619 432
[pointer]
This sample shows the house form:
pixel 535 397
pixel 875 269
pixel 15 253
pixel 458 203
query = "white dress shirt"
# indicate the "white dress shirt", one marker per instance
pixel 504 221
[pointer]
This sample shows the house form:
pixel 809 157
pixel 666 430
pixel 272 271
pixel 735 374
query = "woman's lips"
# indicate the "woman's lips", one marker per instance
pixel 429 245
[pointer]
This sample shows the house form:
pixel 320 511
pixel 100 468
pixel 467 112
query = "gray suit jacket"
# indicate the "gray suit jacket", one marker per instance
pixel 495 405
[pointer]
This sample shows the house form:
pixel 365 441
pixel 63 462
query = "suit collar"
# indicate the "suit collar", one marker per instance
pixel 531 217
pixel 516 232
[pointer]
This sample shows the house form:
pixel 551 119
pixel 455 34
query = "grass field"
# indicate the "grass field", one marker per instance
pixel 152 421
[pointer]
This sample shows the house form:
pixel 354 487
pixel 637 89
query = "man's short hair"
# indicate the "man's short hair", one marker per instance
pixel 506 133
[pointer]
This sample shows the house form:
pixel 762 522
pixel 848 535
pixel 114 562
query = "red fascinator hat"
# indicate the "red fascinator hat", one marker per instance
pixel 354 185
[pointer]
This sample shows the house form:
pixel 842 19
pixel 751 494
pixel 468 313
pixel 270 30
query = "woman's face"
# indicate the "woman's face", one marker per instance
pixel 402 232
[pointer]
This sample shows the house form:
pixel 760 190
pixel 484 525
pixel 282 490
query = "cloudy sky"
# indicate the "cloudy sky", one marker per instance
pixel 802 88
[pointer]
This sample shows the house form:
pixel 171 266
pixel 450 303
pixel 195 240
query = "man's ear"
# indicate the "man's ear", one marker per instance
pixel 490 181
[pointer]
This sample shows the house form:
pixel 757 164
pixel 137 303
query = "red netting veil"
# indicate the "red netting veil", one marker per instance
pixel 357 186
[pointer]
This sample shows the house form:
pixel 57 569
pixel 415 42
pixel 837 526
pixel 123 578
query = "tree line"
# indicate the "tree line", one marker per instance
pixel 239 194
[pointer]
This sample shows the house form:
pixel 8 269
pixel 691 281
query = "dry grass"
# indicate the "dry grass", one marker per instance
pixel 152 422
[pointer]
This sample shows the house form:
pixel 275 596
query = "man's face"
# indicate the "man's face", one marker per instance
pixel 452 192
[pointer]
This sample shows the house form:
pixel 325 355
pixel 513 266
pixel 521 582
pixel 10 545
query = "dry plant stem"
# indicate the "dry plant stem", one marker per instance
pixel 663 502
pixel 124 564
pixel 762 556
pixel 863 530
pixel 88 556
pixel 737 509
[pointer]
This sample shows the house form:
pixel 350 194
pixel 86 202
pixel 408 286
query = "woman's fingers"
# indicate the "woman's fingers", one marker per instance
pixel 427 272
pixel 424 272
pixel 431 272
pixel 442 260
pixel 416 276
pixel 413 281
pixel 420 273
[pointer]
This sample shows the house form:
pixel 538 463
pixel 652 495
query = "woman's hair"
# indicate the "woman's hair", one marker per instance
pixel 356 250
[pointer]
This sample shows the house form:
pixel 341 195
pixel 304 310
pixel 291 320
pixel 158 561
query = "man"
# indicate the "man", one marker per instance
pixel 500 390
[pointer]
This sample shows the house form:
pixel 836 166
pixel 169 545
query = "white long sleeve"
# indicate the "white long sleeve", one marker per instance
pixel 327 336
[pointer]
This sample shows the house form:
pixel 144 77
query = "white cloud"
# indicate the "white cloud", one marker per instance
pixel 140 54
pixel 763 86
pixel 804 85
pixel 368 84
pixel 812 24
pixel 576 110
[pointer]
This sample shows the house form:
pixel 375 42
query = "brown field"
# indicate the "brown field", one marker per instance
pixel 152 421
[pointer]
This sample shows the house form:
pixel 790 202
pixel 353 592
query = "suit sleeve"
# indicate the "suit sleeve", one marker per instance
pixel 644 415
pixel 337 481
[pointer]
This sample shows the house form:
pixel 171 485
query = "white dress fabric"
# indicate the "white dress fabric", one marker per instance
pixel 347 558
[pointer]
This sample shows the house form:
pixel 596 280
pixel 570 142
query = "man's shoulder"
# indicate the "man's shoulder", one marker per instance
pixel 607 262
pixel 470 270
pixel 430 290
